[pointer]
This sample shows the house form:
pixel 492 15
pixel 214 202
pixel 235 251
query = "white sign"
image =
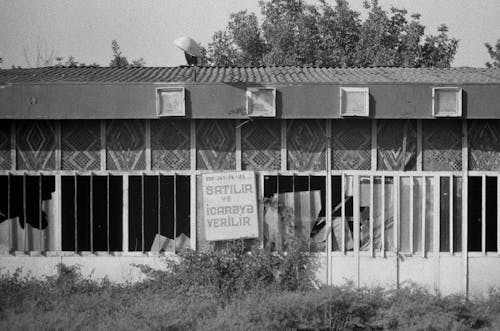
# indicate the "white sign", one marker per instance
pixel 230 205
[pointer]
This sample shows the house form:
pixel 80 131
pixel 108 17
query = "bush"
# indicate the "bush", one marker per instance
pixel 233 271
pixel 259 290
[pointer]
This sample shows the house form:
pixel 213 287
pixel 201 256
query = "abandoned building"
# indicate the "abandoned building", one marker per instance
pixel 390 174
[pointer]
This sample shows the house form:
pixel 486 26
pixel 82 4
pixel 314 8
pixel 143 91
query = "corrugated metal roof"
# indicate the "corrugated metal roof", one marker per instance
pixel 271 75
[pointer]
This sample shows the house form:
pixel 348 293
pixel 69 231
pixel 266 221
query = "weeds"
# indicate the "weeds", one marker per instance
pixel 232 289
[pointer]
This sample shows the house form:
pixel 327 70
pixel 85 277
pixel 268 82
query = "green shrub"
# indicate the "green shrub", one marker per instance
pixel 233 271
pixel 265 294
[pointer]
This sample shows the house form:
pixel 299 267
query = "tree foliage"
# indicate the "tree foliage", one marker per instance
pixel 494 52
pixel 119 60
pixel 293 32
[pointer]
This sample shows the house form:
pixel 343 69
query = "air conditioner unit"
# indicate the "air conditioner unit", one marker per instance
pixel 261 102
pixel 446 102
pixel 170 101
pixel 354 101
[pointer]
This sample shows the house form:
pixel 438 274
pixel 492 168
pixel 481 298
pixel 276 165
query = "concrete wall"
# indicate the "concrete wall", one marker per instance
pixel 444 274
pixel 129 101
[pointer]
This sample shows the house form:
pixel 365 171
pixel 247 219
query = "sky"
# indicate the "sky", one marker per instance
pixel 147 28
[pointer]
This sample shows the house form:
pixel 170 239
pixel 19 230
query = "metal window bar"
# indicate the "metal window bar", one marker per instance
pixel 382 226
pixel 451 214
pixel 342 215
pixel 424 198
pixel 396 188
pixel 25 215
pixel 40 212
pixel 356 225
pixel 75 202
pixel 91 207
pixel 483 214
pixel 412 187
pixel 175 212
pixel 158 214
pixel 142 213
pixel 9 212
pixel 372 200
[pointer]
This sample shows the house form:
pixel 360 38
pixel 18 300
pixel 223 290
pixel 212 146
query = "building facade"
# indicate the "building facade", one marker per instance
pixel 390 174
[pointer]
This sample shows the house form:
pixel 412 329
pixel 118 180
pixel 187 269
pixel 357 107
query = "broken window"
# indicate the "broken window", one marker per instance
pixel 294 209
pixel 450 229
pixel 27 213
pixel 159 213
pixel 91 213
pixel 482 214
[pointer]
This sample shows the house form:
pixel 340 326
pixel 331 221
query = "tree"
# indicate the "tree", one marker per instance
pixel 494 53
pixel 296 33
pixel 120 60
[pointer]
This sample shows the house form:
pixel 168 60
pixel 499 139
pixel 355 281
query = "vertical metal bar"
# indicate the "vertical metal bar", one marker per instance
pixel 436 245
pixel 483 214
pixel 451 213
pixel 56 230
pixel 356 225
pixel 374 145
pixel 91 212
pixel 396 217
pixel 238 145
pixel 10 236
pixel 102 127
pixel 372 205
pixel 311 203
pixel 342 214
pixel 465 207
pixel 192 211
pixel 107 213
pixel 260 178
pixel 75 203
pixel 412 249
pixel 419 146
pixel 328 195
pixel 25 215
pixel 159 211
pixel 125 213
pixel 40 203
pixel 142 213
pixel 382 232
pixel 424 198
pixel 148 145
pixel 175 212
pixel 283 145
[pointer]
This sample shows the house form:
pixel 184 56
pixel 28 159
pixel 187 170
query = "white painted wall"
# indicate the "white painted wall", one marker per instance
pixel 443 275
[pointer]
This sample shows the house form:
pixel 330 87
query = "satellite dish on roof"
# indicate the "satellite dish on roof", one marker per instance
pixel 191 49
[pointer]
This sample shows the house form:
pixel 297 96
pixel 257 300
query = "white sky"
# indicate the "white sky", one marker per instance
pixel 147 28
